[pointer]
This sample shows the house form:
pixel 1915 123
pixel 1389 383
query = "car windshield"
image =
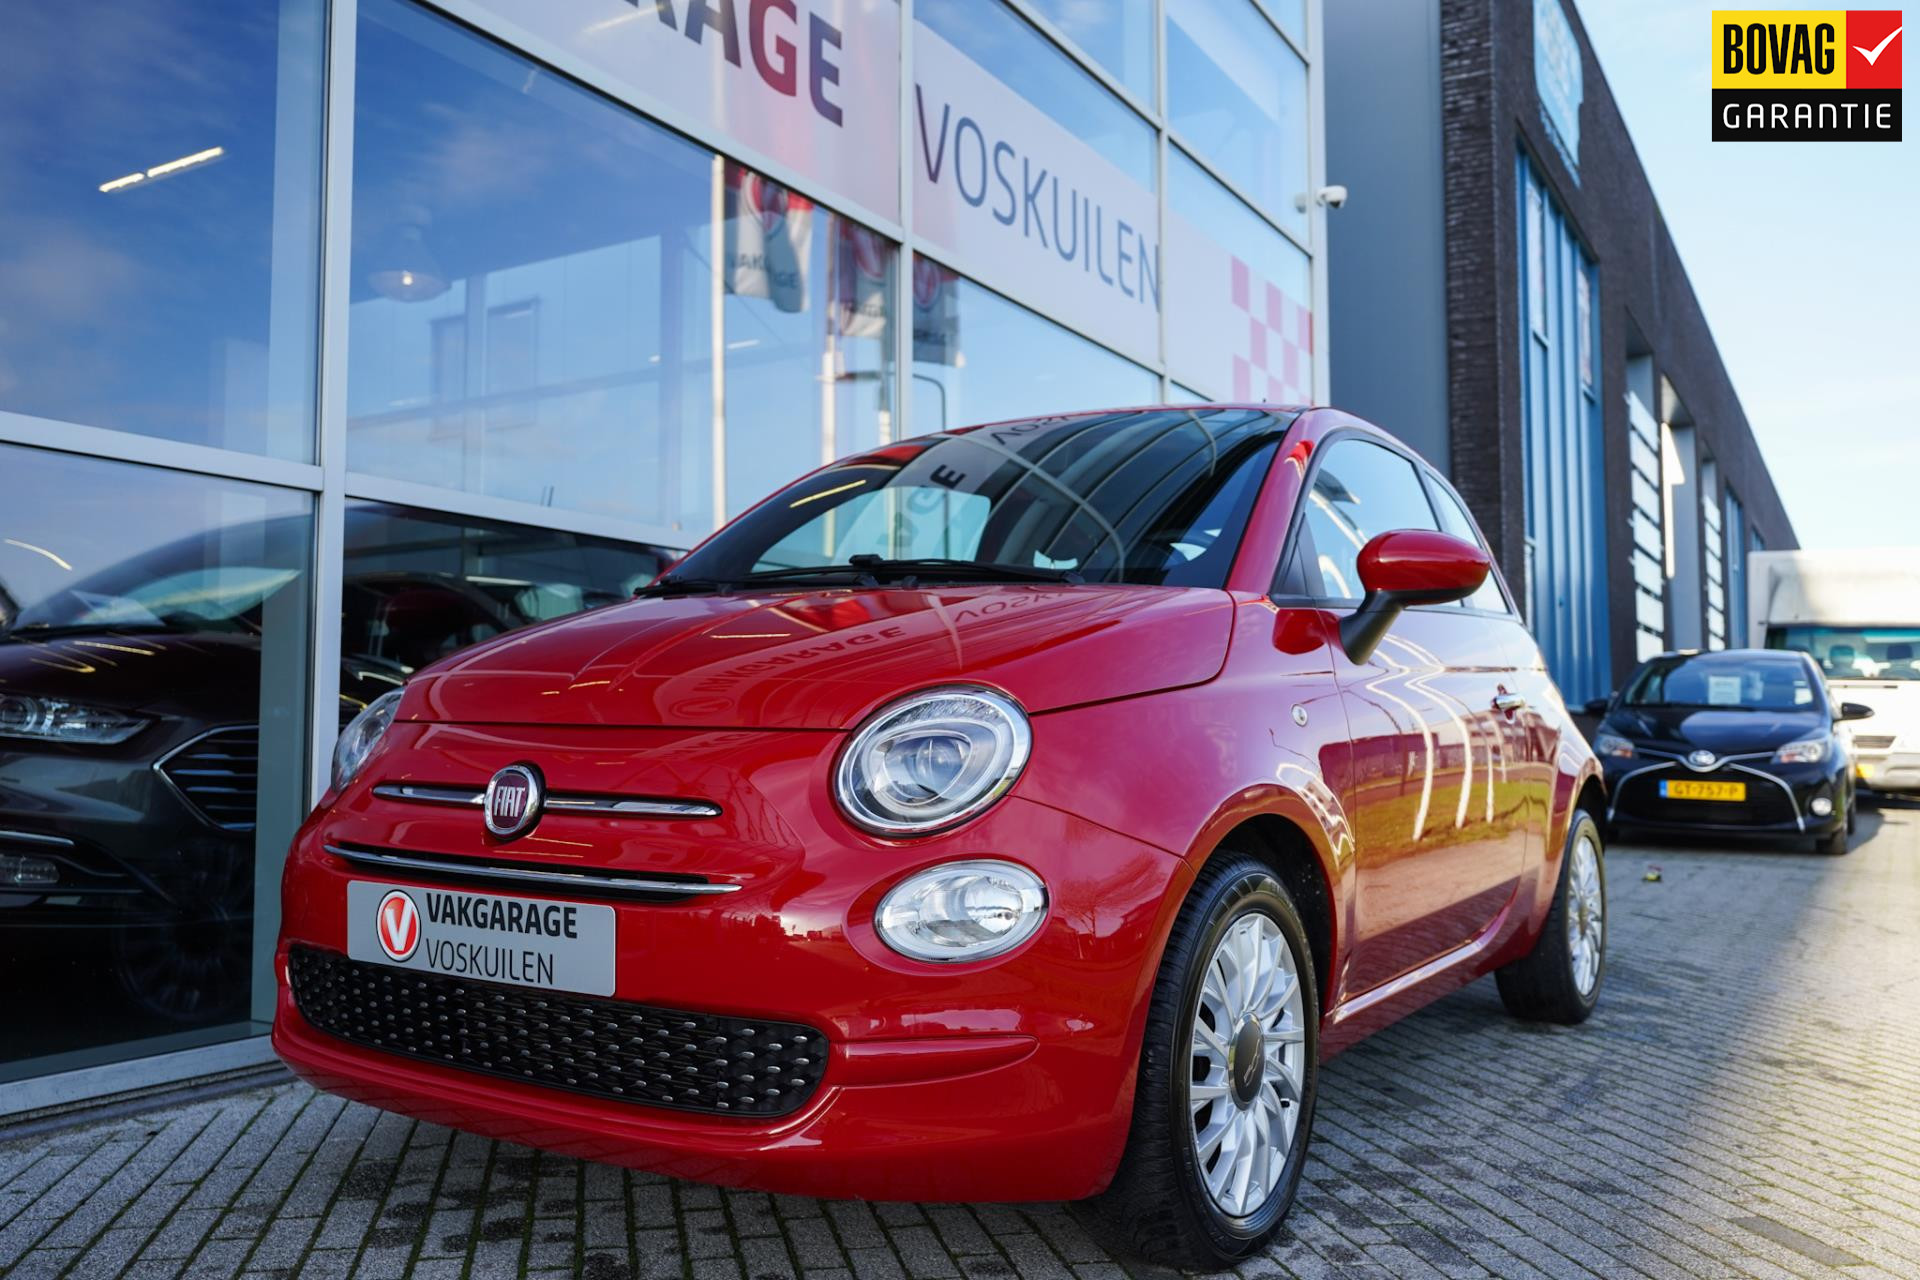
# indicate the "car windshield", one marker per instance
pixel 1155 496
pixel 208 598
pixel 1855 653
pixel 1739 681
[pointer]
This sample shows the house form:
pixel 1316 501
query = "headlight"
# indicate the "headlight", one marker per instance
pixel 1612 744
pixel 1805 751
pixel 962 911
pixel 931 761
pixel 53 720
pixel 360 736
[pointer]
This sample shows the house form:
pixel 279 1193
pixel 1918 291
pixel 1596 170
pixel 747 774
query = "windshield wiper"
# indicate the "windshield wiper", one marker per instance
pixel 865 571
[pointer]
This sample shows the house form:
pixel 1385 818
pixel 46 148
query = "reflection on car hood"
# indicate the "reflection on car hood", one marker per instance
pixel 824 659
pixel 1725 733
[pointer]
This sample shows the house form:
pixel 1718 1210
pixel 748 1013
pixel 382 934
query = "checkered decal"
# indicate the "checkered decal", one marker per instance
pixel 1277 366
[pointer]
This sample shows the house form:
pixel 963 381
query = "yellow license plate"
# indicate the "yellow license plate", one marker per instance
pixel 1687 789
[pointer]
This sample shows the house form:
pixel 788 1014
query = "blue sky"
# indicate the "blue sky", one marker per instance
pixel 1806 257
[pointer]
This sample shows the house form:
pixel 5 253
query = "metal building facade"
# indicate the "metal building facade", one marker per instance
pixel 1566 552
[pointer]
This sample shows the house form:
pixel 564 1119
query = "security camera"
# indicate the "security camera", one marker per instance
pixel 1332 197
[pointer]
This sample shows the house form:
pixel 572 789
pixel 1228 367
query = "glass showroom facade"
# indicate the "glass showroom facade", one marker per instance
pixel 338 334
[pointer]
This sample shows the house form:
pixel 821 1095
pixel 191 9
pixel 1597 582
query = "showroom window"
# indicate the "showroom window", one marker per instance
pixel 1237 94
pixel 1032 176
pixel 979 358
pixel 1117 34
pixel 159 225
pixel 153 746
pixel 1007 46
pixel 536 315
pixel 419 585
pixel 1243 293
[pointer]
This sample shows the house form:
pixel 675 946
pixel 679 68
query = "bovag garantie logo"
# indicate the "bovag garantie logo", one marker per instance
pixel 1807 75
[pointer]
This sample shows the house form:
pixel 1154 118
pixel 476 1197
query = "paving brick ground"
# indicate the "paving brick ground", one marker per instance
pixel 1744 1104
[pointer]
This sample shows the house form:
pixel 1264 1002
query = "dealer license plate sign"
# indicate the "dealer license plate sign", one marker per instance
pixel 525 942
pixel 1687 789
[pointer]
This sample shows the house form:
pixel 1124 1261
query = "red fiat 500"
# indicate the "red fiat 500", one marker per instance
pixel 1019 813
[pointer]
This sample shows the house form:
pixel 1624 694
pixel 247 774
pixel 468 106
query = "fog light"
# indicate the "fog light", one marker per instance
pixel 962 911
pixel 1821 806
pixel 27 873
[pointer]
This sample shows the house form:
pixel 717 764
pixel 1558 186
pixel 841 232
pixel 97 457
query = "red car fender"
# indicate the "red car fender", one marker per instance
pixel 1324 824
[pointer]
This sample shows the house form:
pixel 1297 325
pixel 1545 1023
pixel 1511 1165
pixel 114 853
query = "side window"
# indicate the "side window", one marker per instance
pixel 1359 490
pixel 1454 520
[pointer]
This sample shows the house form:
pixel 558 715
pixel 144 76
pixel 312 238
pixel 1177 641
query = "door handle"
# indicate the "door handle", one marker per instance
pixel 1508 702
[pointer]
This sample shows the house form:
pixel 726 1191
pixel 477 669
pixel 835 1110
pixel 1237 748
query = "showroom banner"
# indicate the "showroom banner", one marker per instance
pixel 813 84
pixel 1021 203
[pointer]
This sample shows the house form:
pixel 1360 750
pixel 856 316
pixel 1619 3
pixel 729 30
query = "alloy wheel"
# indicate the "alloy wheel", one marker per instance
pixel 1248 1048
pixel 1586 913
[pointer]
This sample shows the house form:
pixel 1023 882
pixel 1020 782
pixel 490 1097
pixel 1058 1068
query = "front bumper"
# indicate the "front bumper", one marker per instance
pixel 125 847
pixel 1779 798
pixel 1894 772
pixel 1009 1079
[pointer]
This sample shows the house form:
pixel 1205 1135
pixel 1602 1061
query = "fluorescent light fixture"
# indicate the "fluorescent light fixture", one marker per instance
pixel 166 170
pixel 186 162
pixel 39 551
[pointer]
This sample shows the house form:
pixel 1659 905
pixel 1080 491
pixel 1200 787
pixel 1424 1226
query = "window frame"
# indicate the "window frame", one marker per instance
pixel 1434 480
pixel 1299 536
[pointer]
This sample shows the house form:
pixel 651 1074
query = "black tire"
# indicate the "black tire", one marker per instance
pixel 1835 844
pixel 1541 986
pixel 1158 1207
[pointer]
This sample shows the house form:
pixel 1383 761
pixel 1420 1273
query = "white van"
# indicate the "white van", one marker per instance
pixel 1858 614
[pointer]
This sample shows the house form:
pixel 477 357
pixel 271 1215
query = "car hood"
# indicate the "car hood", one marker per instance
pixel 1725 733
pixel 824 659
pixel 205 675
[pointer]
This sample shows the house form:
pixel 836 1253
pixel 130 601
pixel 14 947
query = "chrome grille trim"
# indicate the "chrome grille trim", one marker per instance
pixel 1731 762
pixel 563 802
pixel 1799 818
pixel 36 837
pixel 475 796
pixel 216 774
pixel 583 882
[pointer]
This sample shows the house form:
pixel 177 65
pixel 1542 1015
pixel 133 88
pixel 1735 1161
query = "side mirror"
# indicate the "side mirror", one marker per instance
pixel 1855 711
pixel 1406 567
pixel 1597 706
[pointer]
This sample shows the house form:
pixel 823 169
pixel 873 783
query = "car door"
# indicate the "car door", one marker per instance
pixel 1525 713
pixel 1435 857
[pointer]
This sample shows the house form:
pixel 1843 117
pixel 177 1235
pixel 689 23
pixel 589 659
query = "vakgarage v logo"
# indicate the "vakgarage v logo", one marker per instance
pixel 1807 75
pixel 397 925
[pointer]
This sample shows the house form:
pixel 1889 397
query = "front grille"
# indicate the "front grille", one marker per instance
pixel 1873 741
pixel 1766 803
pixel 607 1048
pixel 219 775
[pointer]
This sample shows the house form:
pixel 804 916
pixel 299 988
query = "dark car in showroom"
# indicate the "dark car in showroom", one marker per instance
pixel 1733 742
pixel 131 730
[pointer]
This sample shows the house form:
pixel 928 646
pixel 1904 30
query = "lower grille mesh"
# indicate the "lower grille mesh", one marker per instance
pixel 608 1048
pixel 1640 798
